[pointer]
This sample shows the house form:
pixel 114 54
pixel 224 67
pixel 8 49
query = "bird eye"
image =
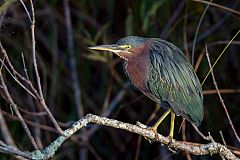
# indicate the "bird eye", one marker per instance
pixel 128 46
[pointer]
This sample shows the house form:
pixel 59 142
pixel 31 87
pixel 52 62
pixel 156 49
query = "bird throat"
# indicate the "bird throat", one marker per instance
pixel 124 54
pixel 137 66
pixel 136 69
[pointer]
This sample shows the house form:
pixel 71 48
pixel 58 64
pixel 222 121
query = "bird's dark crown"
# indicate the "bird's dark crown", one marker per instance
pixel 134 41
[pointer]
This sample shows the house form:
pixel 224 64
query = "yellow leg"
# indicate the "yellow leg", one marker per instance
pixel 155 126
pixel 172 125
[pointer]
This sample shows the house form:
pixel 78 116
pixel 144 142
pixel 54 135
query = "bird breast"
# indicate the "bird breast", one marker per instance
pixel 136 69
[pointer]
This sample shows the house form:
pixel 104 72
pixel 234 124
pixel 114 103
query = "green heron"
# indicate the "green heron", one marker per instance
pixel 162 72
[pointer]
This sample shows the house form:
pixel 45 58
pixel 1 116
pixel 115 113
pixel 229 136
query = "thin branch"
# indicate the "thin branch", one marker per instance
pixel 34 50
pixel 220 97
pixel 14 106
pixel 197 30
pixel 208 138
pixel 219 6
pixel 114 103
pixel 153 115
pixel 223 42
pixel 193 148
pixel 6 134
pixel 73 65
pixel 13 75
pixel 55 123
pixel 223 51
pixel 184 138
pixel 42 101
pixel 199 60
pixel 12 150
pixel 223 91
pixel 25 8
pixel 221 134
pixel 24 66
pixel 31 123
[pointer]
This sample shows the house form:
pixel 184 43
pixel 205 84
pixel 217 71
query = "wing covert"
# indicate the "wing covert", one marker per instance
pixel 172 79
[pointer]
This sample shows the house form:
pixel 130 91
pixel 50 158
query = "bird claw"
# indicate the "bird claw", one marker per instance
pixel 155 132
pixel 146 127
pixel 154 129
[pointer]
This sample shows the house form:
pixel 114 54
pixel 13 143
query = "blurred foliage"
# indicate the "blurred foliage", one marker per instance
pixel 101 76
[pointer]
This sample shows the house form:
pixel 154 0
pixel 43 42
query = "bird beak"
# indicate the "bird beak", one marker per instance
pixel 112 48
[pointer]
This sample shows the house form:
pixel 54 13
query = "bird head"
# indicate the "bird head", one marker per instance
pixel 124 47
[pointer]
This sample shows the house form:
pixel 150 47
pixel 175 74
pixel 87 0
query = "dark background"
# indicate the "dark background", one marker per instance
pixel 101 77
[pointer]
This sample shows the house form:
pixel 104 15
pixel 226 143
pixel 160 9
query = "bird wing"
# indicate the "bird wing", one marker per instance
pixel 173 79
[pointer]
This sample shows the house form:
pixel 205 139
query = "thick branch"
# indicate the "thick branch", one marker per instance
pixel 193 148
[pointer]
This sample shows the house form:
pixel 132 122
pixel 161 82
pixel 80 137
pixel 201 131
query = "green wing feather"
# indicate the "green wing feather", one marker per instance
pixel 173 80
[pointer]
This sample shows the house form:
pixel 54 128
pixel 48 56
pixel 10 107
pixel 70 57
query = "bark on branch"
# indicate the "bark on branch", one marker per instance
pixel 193 148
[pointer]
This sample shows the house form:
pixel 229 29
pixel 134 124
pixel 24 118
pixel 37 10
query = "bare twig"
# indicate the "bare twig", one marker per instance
pixel 88 133
pixel 196 149
pixel 223 51
pixel 196 33
pixel 31 123
pixel 153 115
pixel 24 66
pixel 208 138
pixel 55 123
pixel 70 47
pixel 223 42
pixel 116 99
pixel 199 60
pixel 184 138
pixel 12 150
pixel 42 101
pixel 37 114
pixel 6 134
pixel 14 106
pixel 25 8
pixel 221 134
pixel 34 49
pixel 5 131
pixel 74 76
pixel 223 91
pixel 35 95
pixel 220 97
pixel 138 149
pixel 219 6
pixel 13 75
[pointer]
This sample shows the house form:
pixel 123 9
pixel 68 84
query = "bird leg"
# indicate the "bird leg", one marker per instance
pixel 155 126
pixel 172 125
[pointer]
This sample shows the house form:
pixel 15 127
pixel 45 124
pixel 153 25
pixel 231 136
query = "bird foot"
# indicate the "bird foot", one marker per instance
pixel 154 129
pixel 146 127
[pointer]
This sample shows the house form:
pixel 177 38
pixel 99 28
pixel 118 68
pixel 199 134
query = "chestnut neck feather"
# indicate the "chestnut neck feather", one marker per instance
pixel 137 64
